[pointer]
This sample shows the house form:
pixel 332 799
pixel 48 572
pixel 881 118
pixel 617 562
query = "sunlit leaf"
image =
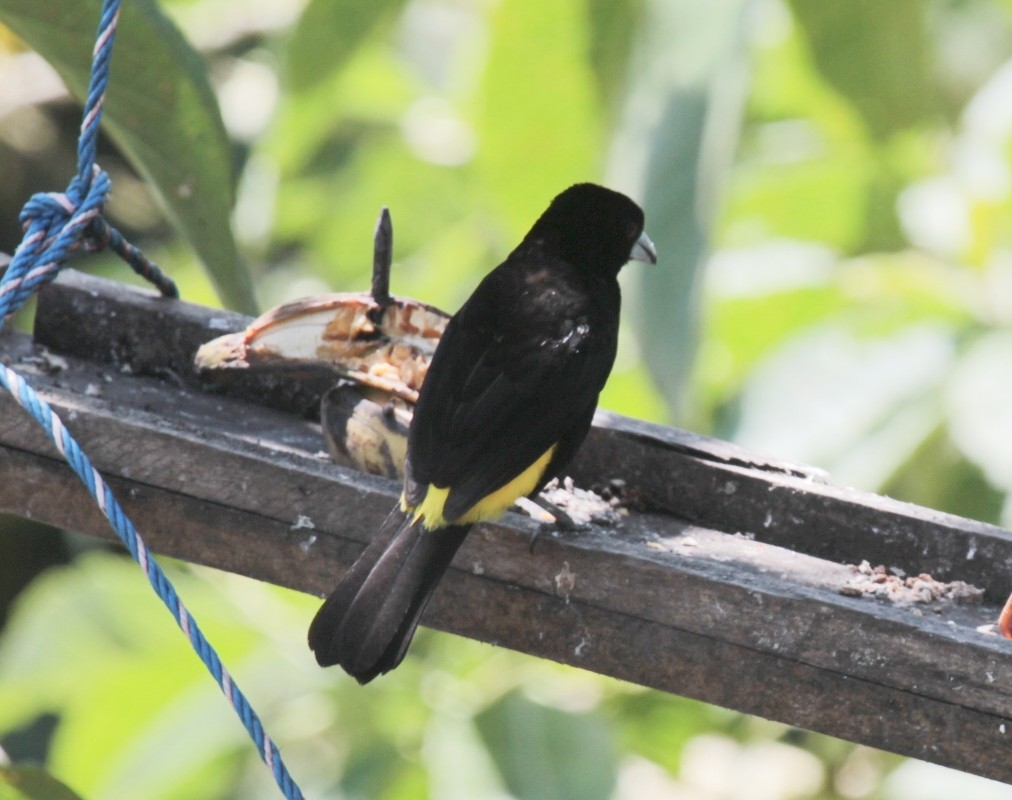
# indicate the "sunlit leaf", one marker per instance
pixel 161 112
pixel 741 332
pixel 764 299
pixel 435 232
pixel 546 754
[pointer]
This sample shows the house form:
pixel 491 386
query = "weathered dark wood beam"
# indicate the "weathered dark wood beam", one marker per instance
pixel 671 600
pixel 696 478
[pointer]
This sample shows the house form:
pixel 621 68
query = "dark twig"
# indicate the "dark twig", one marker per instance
pixel 383 250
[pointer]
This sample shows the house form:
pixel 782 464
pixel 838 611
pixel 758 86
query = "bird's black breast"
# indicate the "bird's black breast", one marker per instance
pixel 518 370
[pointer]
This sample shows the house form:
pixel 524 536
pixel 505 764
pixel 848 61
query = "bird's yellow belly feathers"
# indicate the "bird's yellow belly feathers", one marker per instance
pixel 492 505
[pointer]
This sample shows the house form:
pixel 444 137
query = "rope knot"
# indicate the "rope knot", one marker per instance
pixel 50 209
pixel 60 223
pixel 53 214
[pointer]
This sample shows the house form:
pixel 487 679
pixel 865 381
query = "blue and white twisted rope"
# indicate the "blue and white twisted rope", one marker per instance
pixel 56 225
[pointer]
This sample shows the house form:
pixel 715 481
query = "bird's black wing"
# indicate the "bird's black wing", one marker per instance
pixel 518 370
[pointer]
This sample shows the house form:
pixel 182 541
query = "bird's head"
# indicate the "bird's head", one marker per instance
pixel 595 228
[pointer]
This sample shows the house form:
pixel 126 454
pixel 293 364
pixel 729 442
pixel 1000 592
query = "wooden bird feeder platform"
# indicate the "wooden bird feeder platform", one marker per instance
pixel 734 586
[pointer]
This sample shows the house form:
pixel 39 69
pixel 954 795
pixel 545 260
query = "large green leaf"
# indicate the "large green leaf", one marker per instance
pixel 161 112
pixel 673 150
pixel 31 783
pixel 546 754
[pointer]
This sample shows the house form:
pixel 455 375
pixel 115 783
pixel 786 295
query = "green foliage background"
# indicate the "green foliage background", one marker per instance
pixel 828 186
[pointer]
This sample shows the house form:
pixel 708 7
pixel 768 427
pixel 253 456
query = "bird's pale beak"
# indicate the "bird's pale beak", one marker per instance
pixel 644 250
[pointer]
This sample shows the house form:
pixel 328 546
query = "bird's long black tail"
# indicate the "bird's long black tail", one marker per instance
pixel 367 622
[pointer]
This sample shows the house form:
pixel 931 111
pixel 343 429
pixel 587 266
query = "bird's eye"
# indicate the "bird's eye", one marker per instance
pixel 632 231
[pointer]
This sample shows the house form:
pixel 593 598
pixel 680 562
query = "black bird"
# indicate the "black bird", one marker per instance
pixel 508 399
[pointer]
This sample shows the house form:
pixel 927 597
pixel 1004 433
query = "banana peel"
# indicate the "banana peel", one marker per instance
pixel 378 355
pixel 376 348
pixel 386 347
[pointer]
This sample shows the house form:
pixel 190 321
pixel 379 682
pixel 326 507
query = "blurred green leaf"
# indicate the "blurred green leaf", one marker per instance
pixel 539 122
pixel 824 200
pixel 613 28
pixel 546 754
pixel 766 302
pixel 85 639
pixel 676 141
pixel 938 475
pixel 370 768
pixel 762 297
pixel 979 413
pixel 432 210
pixel 748 329
pixel 808 167
pixel 667 296
pixel 971 39
pixel 327 33
pixel 855 405
pixel 315 132
pixel 875 54
pixel 161 112
pixel 31 783
pixel 657 726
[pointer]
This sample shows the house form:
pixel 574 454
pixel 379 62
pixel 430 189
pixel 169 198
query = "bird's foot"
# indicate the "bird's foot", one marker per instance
pixel 562 520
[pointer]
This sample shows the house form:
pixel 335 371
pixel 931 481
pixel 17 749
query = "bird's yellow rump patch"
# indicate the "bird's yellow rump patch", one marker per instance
pixel 430 510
